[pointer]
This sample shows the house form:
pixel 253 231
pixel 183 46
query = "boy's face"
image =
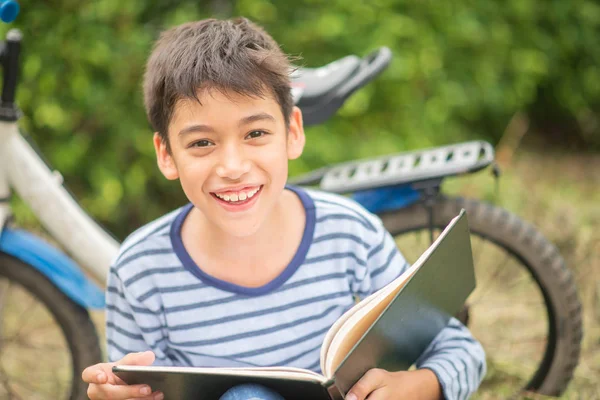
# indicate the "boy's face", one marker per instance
pixel 231 156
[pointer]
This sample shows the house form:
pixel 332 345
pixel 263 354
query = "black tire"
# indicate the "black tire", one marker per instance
pixel 545 265
pixel 78 330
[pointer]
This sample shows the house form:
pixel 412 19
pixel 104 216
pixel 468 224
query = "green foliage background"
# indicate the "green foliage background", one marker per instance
pixel 461 70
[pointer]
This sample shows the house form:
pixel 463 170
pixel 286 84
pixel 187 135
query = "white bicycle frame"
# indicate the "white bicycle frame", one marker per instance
pixel 41 189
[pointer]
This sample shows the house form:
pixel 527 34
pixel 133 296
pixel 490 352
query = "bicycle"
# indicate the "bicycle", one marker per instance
pixel 37 279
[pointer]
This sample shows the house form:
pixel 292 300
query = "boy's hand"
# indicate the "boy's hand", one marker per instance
pixel 106 385
pixel 379 384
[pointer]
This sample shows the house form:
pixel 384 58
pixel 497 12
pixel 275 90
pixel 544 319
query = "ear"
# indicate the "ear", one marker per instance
pixel 164 159
pixel 295 138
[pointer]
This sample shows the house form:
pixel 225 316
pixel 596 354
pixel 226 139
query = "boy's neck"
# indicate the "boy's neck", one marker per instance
pixel 267 252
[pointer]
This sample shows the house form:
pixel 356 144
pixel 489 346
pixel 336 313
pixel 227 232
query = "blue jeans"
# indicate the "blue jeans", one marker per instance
pixel 251 391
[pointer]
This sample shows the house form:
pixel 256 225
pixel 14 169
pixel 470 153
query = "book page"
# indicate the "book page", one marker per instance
pixel 336 327
pixel 355 326
pixel 358 320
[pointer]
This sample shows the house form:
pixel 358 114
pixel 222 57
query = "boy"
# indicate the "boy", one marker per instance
pixel 251 272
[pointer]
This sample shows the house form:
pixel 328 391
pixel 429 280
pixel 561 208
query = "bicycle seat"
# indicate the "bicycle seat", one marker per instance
pixel 320 92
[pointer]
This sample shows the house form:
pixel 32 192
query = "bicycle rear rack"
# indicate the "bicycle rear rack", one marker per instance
pixel 402 168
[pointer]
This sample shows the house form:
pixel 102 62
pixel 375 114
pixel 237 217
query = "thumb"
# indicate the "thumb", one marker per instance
pixel 141 358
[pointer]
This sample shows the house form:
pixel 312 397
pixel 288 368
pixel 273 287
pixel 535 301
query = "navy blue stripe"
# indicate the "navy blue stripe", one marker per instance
pixel 457 379
pixel 181 288
pixel 333 236
pixel 124 332
pixel 345 216
pixel 467 383
pixel 113 289
pixel 355 212
pixel 140 240
pixel 135 336
pixel 142 310
pixel 148 294
pixel 236 297
pixel 181 355
pixel 377 248
pixel 302 354
pixel 480 370
pixel 267 311
pixel 130 317
pixel 110 307
pixel 314 279
pixel 219 357
pixel 448 350
pixel 316 366
pixel 151 271
pixel 335 256
pixel 144 253
pixel 279 346
pixel 112 343
pixel 389 258
pixel 259 332
pixel 444 381
pixel 459 339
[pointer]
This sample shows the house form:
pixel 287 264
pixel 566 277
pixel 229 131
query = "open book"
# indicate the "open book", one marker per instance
pixel 389 329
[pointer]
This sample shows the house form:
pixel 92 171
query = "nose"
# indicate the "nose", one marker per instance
pixel 233 163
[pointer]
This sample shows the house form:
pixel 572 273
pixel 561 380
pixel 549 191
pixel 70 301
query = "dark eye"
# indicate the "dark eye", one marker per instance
pixel 255 134
pixel 201 143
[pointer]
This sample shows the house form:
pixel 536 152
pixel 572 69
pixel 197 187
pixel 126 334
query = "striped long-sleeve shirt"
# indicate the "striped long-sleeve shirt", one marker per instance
pixel 158 299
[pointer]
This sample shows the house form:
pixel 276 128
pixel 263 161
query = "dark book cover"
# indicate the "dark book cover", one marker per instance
pixel 419 311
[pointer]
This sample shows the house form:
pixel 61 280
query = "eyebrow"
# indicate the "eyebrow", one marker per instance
pixel 244 121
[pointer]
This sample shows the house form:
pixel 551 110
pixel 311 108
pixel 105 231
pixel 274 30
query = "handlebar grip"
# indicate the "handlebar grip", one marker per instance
pixel 9 9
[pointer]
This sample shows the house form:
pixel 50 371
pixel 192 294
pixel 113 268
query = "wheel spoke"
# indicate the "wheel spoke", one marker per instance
pixel 6 384
pixel 490 282
pixel 32 304
pixel 19 341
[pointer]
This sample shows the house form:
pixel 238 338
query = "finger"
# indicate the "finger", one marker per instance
pixel 96 373
pixel 153 396
pixel 119 392
pixel 379 394
pixel 370 381
pixel 142 358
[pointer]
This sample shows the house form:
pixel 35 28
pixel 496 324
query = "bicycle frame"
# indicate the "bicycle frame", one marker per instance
pixel 22 169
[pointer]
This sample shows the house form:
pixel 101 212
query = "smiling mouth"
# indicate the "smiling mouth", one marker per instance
pixel 237 198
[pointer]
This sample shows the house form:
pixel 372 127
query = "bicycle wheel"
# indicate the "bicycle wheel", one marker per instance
pixel 46 340
pixel 525 309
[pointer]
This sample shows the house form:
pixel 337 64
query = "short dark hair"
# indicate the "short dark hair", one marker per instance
pixel 228 55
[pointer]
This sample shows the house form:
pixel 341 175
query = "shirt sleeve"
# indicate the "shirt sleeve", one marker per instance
pixel 456 358
pixel 130 325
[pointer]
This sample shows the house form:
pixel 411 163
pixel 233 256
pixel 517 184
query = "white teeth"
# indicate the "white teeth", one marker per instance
pixel 240 196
